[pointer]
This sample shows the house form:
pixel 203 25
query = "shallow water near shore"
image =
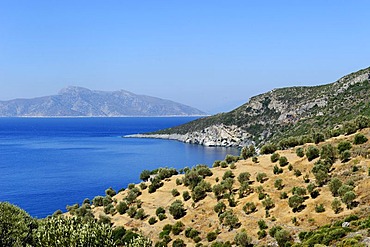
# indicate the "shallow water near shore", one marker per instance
pixel 48 163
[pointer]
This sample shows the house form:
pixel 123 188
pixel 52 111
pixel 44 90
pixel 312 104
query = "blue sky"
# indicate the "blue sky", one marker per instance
pixel 210 54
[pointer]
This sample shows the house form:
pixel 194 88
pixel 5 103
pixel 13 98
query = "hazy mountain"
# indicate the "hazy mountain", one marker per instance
pixel 78 101
pixel 281 113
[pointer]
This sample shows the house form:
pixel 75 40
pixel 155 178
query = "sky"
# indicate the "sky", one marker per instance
pixel 210 54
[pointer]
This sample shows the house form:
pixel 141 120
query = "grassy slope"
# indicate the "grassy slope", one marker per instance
pixel 202 217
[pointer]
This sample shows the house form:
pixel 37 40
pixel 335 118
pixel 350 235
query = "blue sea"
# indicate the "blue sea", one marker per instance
pixel 48 163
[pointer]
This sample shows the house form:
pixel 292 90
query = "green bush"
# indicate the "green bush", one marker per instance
pixel 98 201
pixel 244 177
pixel 219 208
pixel 345 156
pixel 255 159
pixel 110 192
pixel 336 205
pixel 248 152
pixel 262 225
pixel 359 139
pixel 249 207
pixel 177 228
pixel 15 226
pixel 178 243
pixel 334 186
pixel 177 209
pixel 229 219
pixel 274 157
pixel 152 220
pixel 295 202
pixel 211 236
pixel 186 195
pixel 312 152
pixel 261 177
pixel 283 161
pixel 319 208
pixel 278 184
pixel 175 192
pixel 228 174
pixel 318 137
pixel 242 238
pixel 145 175
pixel 121 207
pixel 343 146
pixel 300 152
pixel 268 148
pixel 162 216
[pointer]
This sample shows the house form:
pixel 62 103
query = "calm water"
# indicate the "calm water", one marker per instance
pixel 48 163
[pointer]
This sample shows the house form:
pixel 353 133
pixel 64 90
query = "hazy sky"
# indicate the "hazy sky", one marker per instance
pixel 210 54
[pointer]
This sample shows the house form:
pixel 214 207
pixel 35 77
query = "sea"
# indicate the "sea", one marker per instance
pixel 49 163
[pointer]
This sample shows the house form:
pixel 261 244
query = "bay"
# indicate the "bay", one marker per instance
pixel 48 163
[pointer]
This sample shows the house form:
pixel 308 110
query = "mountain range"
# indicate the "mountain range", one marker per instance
pixel 280 113
pixel 83 102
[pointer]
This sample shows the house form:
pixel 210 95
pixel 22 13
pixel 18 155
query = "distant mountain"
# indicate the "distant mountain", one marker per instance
pixel 281 113
pixel 78 101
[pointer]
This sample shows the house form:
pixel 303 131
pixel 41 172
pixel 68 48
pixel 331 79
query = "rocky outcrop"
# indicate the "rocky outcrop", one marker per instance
pixel 279 113
pixel 214 136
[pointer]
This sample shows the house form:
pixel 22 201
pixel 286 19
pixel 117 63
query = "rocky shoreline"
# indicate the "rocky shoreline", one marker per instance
pixel 214 136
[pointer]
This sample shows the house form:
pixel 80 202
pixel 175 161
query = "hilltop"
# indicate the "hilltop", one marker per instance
pixel 280 113
pixel 295 191
pixel 83 102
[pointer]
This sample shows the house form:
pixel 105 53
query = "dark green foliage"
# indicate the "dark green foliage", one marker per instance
pixel 262 225
pixel 152 220
pixel 277 170
pixel 162 216
pixel 178 243
pixel 131 211
pixel 186 195
pixel 289 142
pixel 348 198
pixel 143 186
pixel 228 174
pixel 345 156
pixel 300 152
pixel 244 177
pixel 312 152
pixel 242 239
pixel 229 219
pixel 359 139
pixel 318 137
pixel 290 167
pixel 255 159
pixel 175 192
pixel 219 208
pixel 110 192
pixel 177 228
pixel 268 148
pixel 300 191
pixel 160 210
pixel 198 193
pixel 297 172
pixel 268 203
pixel 211 236
pixel 343 146
pixel 336 205
pixel 248 152
pixel 218 190
pixel 245 189
pixel 261 177
pixel 283 195
pixel 140 214
pixel 121 207
pixel 328 153
pixel 216 163
pixel 334 186
pixel 283 237
pixel 230 158
pixel 283 161
pixel 324 235
pixel 261 234
pixel 274 157
pixel 177 209
pixel 295 202
pixel 278 184
pixel 145 175
pixel 15 226
pixel 319 208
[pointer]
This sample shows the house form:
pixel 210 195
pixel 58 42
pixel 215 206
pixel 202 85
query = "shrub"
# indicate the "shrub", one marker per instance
pixel 283 161
pixel 290 167
pixel 312 152
pixel 162 216
pixel 359 139
pixel 186 195
pixel 223 164
pixel 217 163
pixel 242 239
pixel 177 209
pixel 160 210
pixel 297 173
pixel 274 157
pixel 318 137
pixel 228 174
pixel 145 175
pixel 229 219
pixel 143 186
pixel 261 234
pixel 178 243
pixel 283 238
pixel 175 192
pixel 336 205
pixel 279 184
pixel 268 203
pixel 328 153
pixel 262 224
pixel 140 214
pixel 300 152
pixel 177 228
pixel 295 202
pixel 343 146
pixel 198 193
pixel 110 192
pixel 334 186
pixel 277 170
pixel 98 201
pixel 219 208
pixel 268 148
pixel 283 195
pixel 261 177
pixel 319 208
pixel 121 207
pixel 249 207
pixel 244 177
pixel 211 236
pixel 348 198
pixel 255 159
pixel 345 156
pixel 131 211
pixel 152 220
pixel 248 152
pixel 15 226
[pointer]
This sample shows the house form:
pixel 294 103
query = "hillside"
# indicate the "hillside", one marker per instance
pixel 78 102
pixel 280 113
pixel 291 195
